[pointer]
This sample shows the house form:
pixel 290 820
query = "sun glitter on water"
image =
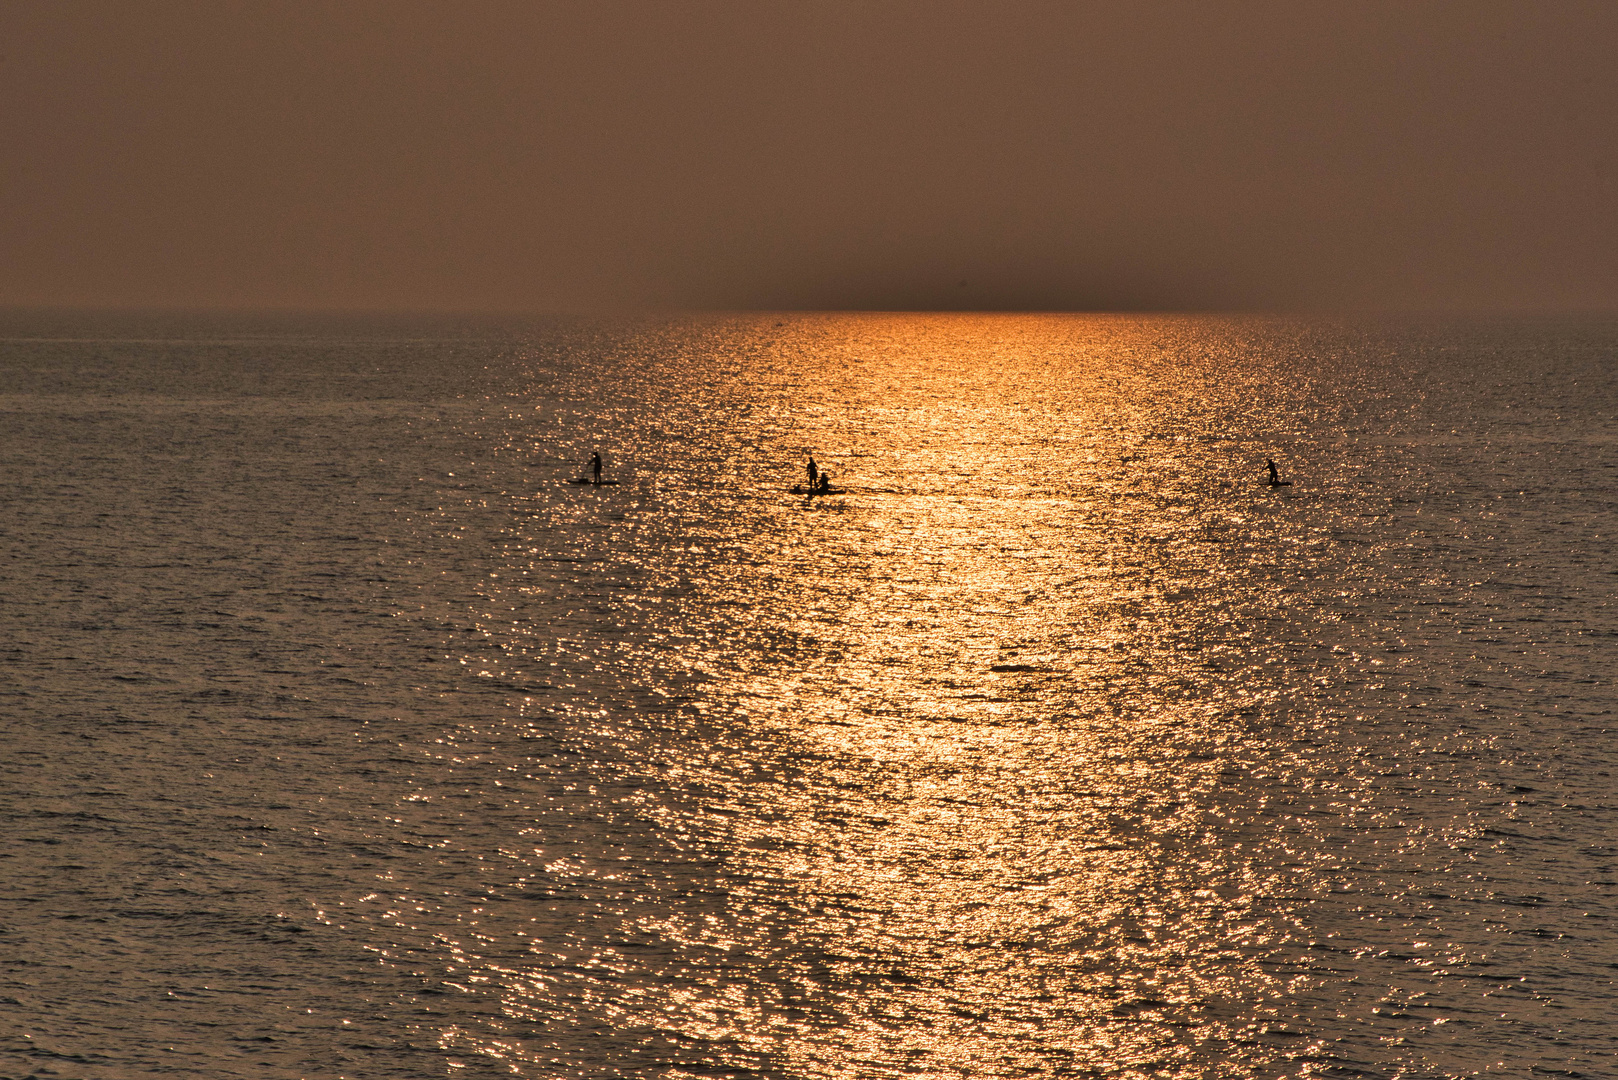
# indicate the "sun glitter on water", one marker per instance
pixel 944 734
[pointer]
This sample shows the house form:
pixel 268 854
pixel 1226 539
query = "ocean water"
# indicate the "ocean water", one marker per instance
pixel 345 737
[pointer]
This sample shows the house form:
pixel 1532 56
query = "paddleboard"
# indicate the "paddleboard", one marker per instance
pixel 593 483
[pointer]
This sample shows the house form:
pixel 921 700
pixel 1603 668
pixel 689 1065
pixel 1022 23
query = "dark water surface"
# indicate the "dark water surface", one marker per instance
pixel 344 737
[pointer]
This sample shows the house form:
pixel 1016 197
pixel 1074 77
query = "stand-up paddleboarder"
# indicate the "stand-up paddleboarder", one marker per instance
pixel 595 467
pixel 814 474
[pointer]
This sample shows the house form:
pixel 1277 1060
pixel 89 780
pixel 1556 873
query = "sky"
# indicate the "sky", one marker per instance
pixel 484 155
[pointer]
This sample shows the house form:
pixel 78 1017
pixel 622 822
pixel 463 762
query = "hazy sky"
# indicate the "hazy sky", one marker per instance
pixel 528 156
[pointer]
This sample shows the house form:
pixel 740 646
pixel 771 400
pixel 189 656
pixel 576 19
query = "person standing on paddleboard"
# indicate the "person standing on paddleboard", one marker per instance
pixel 595 467
pixel 814 474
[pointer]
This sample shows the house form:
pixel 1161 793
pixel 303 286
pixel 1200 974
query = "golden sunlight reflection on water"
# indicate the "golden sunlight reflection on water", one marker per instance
pixel 1018 758
pixel 980 752
pixel 964 764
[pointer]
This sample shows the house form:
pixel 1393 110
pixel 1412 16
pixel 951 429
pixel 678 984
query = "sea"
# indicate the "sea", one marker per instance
pixel 345 733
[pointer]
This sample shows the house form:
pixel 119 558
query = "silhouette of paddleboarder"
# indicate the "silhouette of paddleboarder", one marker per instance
pixel 813 473
pixel 1275 475
pixel 595 467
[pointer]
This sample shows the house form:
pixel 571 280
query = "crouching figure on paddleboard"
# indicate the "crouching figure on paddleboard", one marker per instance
pixel 819 483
